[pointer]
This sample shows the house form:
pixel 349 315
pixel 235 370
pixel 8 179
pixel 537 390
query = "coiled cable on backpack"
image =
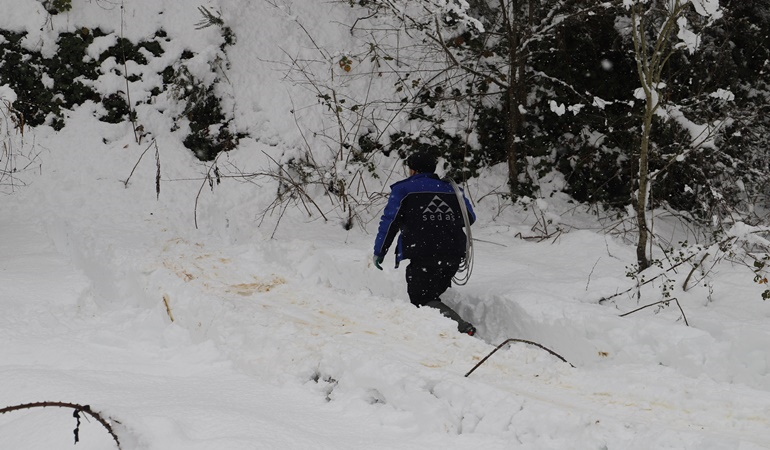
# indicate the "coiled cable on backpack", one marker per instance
pixel 466 264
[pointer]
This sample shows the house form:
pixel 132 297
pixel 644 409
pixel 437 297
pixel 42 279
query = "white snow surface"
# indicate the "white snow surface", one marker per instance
pixel 284 335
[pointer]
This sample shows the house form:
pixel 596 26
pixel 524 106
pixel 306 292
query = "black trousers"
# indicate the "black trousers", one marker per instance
pixel 427 279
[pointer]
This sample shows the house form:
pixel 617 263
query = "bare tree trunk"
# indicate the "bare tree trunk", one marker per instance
pixel 515 93
pixel 641 199
pixel 651 57
pixel 514 123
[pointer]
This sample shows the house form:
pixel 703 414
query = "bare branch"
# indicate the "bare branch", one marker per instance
pixel 105 422
pixel 507 341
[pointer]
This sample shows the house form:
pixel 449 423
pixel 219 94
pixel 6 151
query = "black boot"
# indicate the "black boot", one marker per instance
pixel 462 326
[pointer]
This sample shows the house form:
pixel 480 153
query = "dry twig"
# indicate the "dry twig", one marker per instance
pixel 517 340
pixel 663 302
pixel 168 307
pixel 78 409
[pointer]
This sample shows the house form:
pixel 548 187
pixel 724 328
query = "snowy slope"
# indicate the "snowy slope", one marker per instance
pixel 284 336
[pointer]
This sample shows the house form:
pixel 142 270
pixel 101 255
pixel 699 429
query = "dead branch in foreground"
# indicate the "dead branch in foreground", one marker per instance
pixel 78 409
pixel 662 302
pixel 517 340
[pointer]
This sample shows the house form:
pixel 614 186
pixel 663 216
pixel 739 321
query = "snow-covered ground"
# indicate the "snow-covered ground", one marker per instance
pixel 279 332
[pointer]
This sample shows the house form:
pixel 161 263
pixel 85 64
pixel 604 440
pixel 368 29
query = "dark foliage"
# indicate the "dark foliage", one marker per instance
pixel 588 65
pixel 203 115
pixel 46 87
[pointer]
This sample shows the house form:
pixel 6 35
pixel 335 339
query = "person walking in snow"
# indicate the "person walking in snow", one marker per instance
pixel 426 211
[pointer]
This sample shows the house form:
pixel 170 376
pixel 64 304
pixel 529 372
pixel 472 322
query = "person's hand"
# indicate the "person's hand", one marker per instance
pixel 378 260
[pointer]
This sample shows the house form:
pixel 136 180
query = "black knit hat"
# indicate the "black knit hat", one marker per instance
pixel 422 162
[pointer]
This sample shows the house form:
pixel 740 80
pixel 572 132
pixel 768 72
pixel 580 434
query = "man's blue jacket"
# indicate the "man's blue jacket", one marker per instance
pixel 426 211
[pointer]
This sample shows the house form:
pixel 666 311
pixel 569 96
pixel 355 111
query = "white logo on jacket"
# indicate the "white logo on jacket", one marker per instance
pixel 438 209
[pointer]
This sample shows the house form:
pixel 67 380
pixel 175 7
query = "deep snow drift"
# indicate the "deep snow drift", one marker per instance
pixel 284 336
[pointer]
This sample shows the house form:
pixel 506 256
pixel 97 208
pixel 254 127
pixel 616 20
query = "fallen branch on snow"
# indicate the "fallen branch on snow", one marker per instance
pixel 78 409
pixel 664 302
pixel 517 340
pixel 604 299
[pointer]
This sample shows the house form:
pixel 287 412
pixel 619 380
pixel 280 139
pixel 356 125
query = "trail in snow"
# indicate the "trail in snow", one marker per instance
pixel 252 310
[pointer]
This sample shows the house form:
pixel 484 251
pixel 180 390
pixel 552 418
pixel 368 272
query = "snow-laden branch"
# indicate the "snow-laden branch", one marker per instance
pixel 426 11
pixel 708 9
